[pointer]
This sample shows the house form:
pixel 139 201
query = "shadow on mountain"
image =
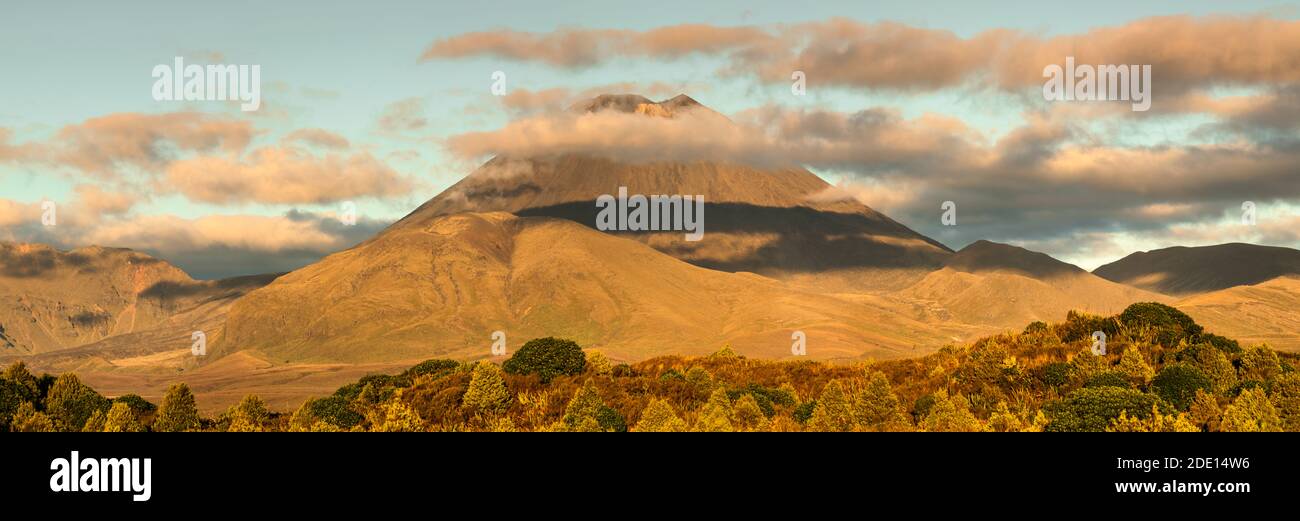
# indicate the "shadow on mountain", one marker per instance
pixel 789 239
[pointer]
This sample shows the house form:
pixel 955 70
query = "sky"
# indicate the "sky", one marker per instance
pixel 372 108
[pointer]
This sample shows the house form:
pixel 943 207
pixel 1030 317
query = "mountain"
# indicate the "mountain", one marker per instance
pixel 65 305
pixel 1006 286
pixel 1182 271
pixel 771 221
pixel 441 289
pixel 1265 312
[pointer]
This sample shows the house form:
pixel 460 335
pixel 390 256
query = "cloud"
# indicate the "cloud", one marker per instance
pixel 284 175
pixel 1185 52
pixel 403 116
pixel 317 137
pixel 575 48
pixel 148 141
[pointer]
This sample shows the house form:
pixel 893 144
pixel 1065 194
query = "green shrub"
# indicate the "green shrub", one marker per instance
pixel 137 404
pixel 1225 344
pixel 1168 324
pixel 804 411
pixel 1178 383
pixel 610 420
pixel 432 368
pixel 1092 409
pixel 334 410
pixel 1056 374
pixel 671 375
pixel 547 358
pixel 1109 379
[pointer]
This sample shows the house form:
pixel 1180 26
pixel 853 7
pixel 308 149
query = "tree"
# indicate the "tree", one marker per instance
pixel 716 415
pixel 876 405
pixel 1286 397
pixel 1134 366
pixel 121 418
pixel 1251 412
pixel 749 416
pixel 725 353
pixel 11 396
pixel 487 389
pixel 95 423
pixel 249 415
pixel 659 416
pixel 1213 364
pixel 1178 384
pixel 581 415
pixel 71 402
pixel 1260 363
pixel 29 388
pixel 950 415
pixel 28 419
pixel 598 363
pixel 178 412
pixel 1205 412
pixel 547 357
pixel 700 380
pixel 834 411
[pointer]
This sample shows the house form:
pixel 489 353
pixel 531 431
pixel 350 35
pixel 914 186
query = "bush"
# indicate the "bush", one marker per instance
pixel 432 368
pixel 1093 409
pixel 137 404
pixel 1080 326
pixel 1178 383
pixel 804 411
pixel 610 420
pixel 547 358
pixel 671 375
pixel 1056 374
pixel 1225 344
pixel 178 412
pixel 334 410
pixel 622 371
pixel 1168 324
pixel 1109 379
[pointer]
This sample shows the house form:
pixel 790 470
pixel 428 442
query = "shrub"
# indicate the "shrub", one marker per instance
pixel 122 418
pixel 1168 324
pixel 1251 412
pixel 1109 379
pixel 1056 374
pixel 1093 409
pixel 487 390
pixel 804 411
pixel 1178 383
pixel 659 416
pixel 610 420
pixel 334 410
pixel 622 371
pixel 547 357
pixel 137 404
pixel 672 375
pixel 432 368
pixel 1225 344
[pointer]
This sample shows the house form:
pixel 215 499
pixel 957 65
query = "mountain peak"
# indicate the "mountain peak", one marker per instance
pixel 638 104
pixel 1185 270
pixel 982 255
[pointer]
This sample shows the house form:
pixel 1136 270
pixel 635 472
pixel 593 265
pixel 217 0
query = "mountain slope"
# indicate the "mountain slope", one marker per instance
pixel 1006 286
pixel 1183 271
pixel 1265 312
pixel 442 289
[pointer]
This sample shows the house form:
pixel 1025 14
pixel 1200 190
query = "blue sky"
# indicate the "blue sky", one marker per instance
pixel 340 67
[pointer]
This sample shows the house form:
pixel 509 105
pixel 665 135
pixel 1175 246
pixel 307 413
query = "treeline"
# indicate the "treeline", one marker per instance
pixel 1160 372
